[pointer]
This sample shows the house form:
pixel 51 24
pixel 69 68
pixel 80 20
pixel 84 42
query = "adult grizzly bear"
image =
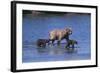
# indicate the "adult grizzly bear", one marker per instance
pixel 60 34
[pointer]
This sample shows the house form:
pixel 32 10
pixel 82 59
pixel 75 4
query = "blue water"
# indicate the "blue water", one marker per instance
pixel 38 27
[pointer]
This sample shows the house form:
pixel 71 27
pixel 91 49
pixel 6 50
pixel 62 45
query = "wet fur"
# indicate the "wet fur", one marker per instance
pixel 59 35
pixel 71 44
pixel 42 42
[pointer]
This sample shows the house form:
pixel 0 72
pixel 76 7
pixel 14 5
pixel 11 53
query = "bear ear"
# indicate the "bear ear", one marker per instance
pixel 68 29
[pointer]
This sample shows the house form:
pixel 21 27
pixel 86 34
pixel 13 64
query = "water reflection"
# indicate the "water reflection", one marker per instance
pixel 50 49
pixel 33 53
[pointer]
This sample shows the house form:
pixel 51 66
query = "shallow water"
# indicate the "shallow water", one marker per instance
pixel 38 27
pixel 31 53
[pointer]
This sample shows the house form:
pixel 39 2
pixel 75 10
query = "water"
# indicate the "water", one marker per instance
pixel 38 27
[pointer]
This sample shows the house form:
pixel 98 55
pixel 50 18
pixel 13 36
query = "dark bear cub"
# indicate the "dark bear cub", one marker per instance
pixel 71 44
pixel 42 42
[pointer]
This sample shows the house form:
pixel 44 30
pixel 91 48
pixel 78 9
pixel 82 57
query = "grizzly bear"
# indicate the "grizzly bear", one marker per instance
pixel 42 42
pixel 71 44
pixel 60 34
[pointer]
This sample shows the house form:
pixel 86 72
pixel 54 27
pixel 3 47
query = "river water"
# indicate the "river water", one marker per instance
pixel 37 26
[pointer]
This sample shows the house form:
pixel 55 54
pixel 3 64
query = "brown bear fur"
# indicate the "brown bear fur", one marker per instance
pixel 42 42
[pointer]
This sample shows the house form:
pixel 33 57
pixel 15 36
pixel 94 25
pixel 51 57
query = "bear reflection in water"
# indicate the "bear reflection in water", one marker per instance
pixel 43 44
